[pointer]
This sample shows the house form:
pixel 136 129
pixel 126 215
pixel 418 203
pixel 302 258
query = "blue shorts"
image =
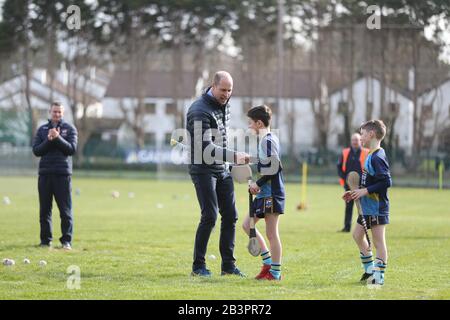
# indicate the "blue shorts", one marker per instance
pixel 267 205
pixel 373 220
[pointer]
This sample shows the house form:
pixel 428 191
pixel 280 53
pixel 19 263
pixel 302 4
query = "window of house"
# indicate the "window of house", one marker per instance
pixel 150 139
pixel 167 138
pixel 171 108
pixel 342 107
pixel 427 140
pixel 341 139
pixel 427 112
pixel 394 107
pixel 150 108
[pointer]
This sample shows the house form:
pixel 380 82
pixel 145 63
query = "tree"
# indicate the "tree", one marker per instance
pixel 314 15
pixel 83 55
pixel 190 25
pixel 254 30
pixel 129 32
pixel 396 47
pixel 18 35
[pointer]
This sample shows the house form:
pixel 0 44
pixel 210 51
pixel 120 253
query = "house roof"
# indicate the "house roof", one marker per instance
pixel 160 84
pixel 155 84
pixel 437 85
pixel 103 124
pixel 58 87
pixel 296 84
pixel 403 91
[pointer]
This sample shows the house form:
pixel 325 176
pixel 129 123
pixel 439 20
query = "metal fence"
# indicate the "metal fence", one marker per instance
pixel 429 170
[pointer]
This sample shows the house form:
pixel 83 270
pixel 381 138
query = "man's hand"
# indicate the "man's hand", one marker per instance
pixel 253 188
pixel 347 197
pixel 242 158
pixel 53 133
pixel 358 193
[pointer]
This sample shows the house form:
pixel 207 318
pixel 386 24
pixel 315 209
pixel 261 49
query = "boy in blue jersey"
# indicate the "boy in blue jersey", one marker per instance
pixel 375 181
pixel 269 190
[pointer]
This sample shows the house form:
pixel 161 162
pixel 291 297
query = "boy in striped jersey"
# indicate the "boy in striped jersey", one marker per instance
pixel 269 191
pixel 376 179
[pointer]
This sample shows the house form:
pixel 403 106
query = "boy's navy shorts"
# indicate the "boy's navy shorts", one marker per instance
pixel 262 206
pixel 373 220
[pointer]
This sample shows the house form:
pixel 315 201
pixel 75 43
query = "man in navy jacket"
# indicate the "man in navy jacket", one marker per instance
pixel 210 176
pixel 55 142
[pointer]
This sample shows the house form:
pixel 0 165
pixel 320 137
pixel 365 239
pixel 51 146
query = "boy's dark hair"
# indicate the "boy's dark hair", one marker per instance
pixel 377 126
pixel 262 113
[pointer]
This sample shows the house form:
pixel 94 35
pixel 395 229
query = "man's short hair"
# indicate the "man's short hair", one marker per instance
pixel 377 126
pixel 218 76
pixel 263 113
pixel 56 104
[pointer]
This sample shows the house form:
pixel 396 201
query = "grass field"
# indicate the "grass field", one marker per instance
pixel 141 247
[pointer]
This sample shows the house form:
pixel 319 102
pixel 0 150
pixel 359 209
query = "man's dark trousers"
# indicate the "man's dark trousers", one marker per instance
pixel 215 193
pixel 60 187
pixel 348 212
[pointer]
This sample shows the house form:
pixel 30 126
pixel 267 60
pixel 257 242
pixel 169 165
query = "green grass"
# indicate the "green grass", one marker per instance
pixel 131 249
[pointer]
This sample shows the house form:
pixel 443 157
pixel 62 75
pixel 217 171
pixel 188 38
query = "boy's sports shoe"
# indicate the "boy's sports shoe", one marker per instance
pixel 366 277
pixel 269 276
pixel 377 279
pixel 264 270
pixel 374 281
pixel 202 272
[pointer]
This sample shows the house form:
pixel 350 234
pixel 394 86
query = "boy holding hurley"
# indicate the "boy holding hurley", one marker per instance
pixel 375 181
pixel 269 191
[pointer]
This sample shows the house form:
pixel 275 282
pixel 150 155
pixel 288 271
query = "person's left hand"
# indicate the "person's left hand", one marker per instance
pixel 347 197
pixel 253 188
pixel 358 193
pixel 53 133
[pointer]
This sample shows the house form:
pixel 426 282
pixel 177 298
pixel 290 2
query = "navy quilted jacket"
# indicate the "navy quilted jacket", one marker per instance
pixel 210 115
pixel 55 155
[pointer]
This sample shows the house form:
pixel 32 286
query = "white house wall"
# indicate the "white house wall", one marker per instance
pixel 404 122
pixel 304 132
pixel 439 98
pixel 160 123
